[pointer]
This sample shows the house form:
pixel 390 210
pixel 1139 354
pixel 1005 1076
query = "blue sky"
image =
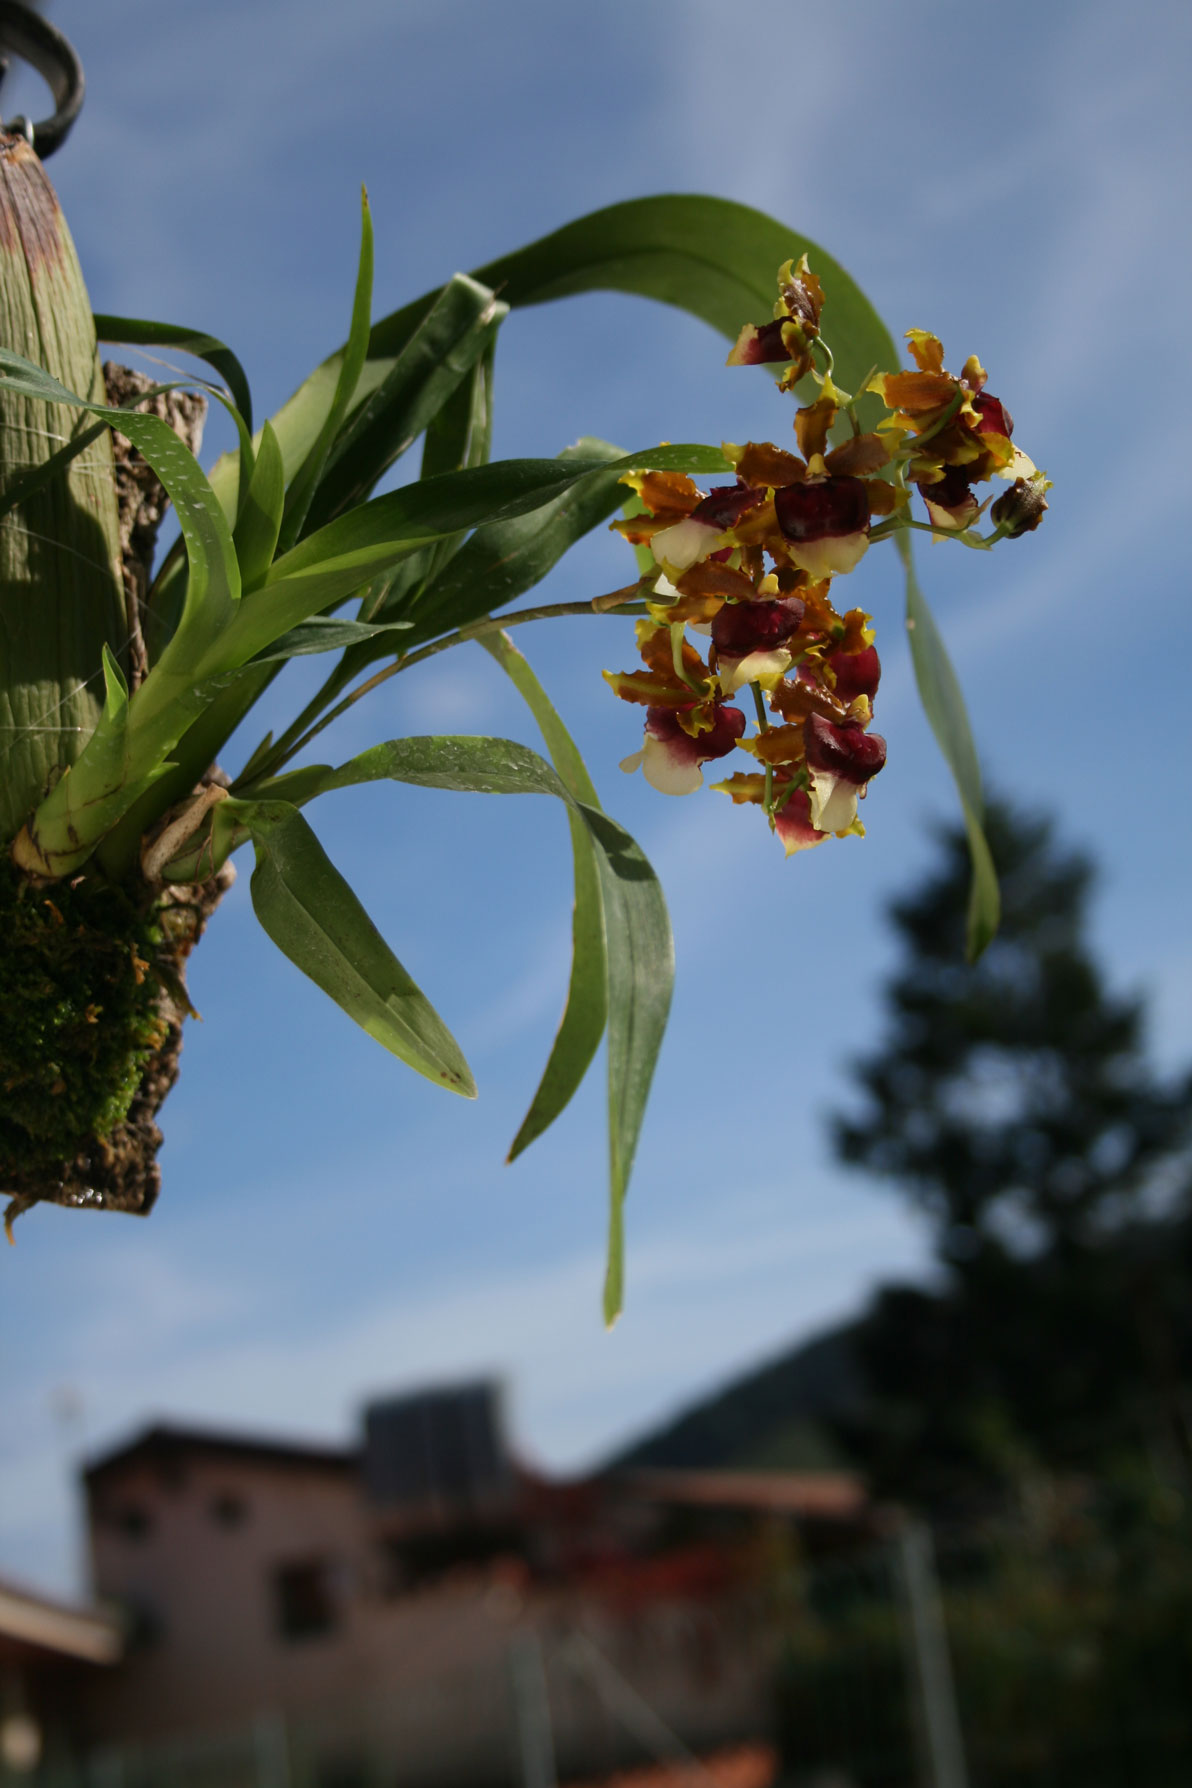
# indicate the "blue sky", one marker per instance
pixel 330 1226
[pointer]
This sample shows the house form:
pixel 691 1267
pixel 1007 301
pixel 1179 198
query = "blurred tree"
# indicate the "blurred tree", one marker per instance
pixel 1013 1102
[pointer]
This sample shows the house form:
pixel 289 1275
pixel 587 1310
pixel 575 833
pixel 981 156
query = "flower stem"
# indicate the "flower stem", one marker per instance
pixel 978 543
pixel 763 726
pixel 599 605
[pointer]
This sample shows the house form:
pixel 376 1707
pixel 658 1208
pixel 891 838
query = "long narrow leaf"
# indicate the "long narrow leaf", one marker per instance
pixel 460 436
pixel 492 568
pixel 586 1010
pixel 333 564
pixel 258 525
pixel 94 794
pixel 503 560
pixel 708 256
pixel 640 954
pixel 314 918
pixel 323 634
pixel 306 479
pixel 461 431
pixel 943 703
pixel 458 331
pixel 473 498
pixel 214 584
pixel 641 973
pixel 33 479
pixel 139 332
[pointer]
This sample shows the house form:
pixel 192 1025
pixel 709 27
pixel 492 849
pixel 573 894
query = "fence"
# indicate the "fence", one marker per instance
pixel 1052 1660
pixel 1048 1653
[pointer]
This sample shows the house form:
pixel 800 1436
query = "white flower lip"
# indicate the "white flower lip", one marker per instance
pixel 833 801
pixel 683 545
pixel 833 555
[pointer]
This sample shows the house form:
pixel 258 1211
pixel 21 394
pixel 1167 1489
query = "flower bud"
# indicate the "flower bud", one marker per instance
pixel 1020 509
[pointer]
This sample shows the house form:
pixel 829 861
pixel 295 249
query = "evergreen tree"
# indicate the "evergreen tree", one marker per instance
pixel 1013 1102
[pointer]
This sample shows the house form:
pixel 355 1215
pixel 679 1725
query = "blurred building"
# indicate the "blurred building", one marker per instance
pixel 423 1609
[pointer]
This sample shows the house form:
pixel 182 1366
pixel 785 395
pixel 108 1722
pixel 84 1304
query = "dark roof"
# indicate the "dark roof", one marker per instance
pixel 165 1444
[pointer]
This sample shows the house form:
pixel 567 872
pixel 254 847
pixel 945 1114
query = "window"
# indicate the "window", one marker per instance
pixel 133 1521
pixel 304 1600
pixel 227 1509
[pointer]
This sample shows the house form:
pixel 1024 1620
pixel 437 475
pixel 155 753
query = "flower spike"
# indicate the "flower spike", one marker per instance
pixel 754 564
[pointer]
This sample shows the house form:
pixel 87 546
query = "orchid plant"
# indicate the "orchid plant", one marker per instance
pixel 117 830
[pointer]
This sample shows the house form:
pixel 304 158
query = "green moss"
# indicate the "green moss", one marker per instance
pixel 78 1015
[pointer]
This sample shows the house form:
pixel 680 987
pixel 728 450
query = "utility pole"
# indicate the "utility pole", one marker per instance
pixel 531 1707
pixel 937 1725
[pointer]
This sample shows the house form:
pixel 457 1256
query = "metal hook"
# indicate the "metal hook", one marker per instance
pixel 25 34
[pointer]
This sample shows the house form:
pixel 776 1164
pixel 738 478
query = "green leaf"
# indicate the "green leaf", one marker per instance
pixel 503 560
pixel 322 634
pixel 259 523
pixel 474 498
pixel 708 256
pixel 458 437
pixel 93 794
pixel 185 677
pixel 214 583
pixel 640 954
pixel 26 484
pixel 333 564
pixel 641 972
pixel 461 431
pixel 314 918
pixel 306 479
pixel 458 332
pixel 494 567
pixel 944 706
pixel 586 1010
pixel 565 753
pixel 140 333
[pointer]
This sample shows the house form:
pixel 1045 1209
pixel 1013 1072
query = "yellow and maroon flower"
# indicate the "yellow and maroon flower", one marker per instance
pixel 792 821
pixel 855 673
pixel 750 640
pixel 701 533
pixel 752 564
pixel 951 501
pixel 840 761
pixel 953 432
pixel 791 806
pixel 672 756
pixel 825 522
pixel 794 328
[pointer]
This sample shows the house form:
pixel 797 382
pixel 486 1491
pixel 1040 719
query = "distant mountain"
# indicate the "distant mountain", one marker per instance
pixel 789 1415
